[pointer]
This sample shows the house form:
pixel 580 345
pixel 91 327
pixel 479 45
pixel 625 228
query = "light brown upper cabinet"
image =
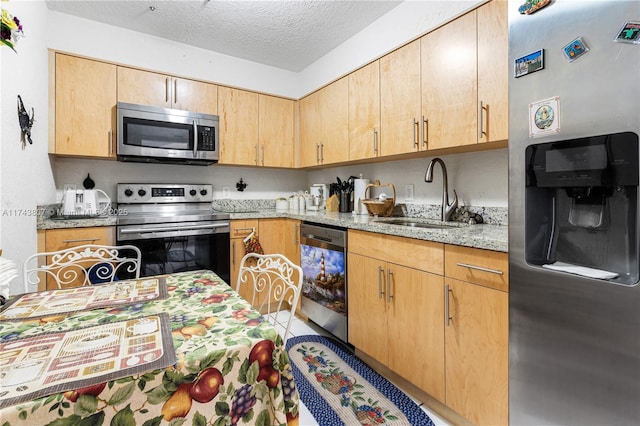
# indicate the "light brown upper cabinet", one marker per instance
pixel 256 129
pixel 400 101
pixel 493 72
pixel 84 111
pixel 238 126
pixel 150 88
pixel 464 79
pixel 364 112
pixel 276 132
pixel 324 125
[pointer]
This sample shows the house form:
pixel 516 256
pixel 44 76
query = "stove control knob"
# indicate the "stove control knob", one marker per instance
pixel 203 192
pixel 193 192
pixel 128 192
pixel 142 192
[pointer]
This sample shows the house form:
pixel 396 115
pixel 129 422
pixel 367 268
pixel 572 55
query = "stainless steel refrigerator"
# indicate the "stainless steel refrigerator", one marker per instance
pixel 574 301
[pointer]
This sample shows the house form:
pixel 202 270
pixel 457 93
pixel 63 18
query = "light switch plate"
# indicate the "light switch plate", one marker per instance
pixel 408 192
pixel 226 192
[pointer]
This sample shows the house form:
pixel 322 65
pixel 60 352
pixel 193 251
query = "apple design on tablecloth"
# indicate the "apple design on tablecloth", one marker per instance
pixel 262 352
pixel 206 385
pixel 93 390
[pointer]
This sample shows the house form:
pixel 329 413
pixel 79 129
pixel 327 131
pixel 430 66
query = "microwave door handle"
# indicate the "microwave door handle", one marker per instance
pixel 195 138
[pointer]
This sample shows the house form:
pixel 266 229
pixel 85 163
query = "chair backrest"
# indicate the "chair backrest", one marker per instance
pixel 82 265
pixel 276 282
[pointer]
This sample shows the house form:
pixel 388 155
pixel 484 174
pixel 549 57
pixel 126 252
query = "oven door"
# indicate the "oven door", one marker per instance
pixel 180 247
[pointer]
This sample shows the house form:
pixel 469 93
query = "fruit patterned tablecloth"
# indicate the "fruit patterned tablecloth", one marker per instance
pixel 232 366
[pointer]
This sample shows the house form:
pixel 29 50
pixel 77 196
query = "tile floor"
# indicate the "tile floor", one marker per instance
pixel 300 327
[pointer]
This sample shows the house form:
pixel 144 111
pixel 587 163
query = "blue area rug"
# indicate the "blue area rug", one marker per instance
pixel 340 389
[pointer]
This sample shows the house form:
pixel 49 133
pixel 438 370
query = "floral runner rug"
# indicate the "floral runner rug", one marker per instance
pixel 340 389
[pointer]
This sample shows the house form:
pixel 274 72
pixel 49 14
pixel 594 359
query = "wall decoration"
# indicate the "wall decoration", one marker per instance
pixel 532 6
pixel 10 29
pixel 575 49
pixel 544 117
pixel 26 122
pixel 629 33
pixel 528 63
pixel 241 185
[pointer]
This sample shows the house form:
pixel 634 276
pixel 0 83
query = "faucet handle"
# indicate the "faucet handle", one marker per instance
pixel 450 207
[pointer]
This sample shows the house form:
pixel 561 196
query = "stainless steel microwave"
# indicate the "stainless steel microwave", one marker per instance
pixel 161 135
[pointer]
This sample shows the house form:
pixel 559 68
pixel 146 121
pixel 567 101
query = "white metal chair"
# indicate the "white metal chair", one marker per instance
pixel 81 265
pixel 275 282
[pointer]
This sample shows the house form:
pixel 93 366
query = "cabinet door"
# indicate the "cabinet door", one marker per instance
pixel 238 111
pixel 85 100
pixel 415 318
pixel 60 239
pixel 195 96
pixel 144 87
pixel 400 100
pixel 364 112
pixel 366 293
pixel 310 130
pixel 449 84
pixel 334 116
pixel 493 72
pixel 477 353
pixel 276 129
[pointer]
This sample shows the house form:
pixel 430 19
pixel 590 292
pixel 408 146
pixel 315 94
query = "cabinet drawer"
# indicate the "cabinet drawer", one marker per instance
pixel 58 239
pixel 243 227
pixel 485 267
pixel 423 255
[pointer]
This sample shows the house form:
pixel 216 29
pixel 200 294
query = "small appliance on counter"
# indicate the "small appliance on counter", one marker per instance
pixel 318 195
pixel 85 202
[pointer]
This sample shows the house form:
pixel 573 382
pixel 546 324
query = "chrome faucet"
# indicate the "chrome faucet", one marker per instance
pixel 447 209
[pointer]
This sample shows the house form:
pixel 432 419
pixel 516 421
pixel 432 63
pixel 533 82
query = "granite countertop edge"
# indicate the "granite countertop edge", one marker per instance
pixel 483 236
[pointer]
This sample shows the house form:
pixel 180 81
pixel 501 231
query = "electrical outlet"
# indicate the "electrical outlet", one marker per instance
pixel 226 192
pixel 408 192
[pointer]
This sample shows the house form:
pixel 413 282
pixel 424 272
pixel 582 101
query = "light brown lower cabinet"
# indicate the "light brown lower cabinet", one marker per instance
pixel 446 336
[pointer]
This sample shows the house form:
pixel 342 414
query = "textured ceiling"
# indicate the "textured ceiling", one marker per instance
pixel 288 34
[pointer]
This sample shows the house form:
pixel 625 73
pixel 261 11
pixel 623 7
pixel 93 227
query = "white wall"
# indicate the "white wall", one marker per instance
pixel 30 177
pixel 26 174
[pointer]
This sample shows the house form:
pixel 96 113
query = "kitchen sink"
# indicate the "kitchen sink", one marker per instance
pixel 415 224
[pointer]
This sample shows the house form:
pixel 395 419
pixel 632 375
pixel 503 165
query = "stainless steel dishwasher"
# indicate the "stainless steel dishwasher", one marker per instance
pixel 323 258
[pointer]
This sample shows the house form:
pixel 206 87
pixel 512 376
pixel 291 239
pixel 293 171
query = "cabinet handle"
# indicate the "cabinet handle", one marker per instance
pixel 447 315
pixel 321 152
pixel 481 111
pixel 425 131
pixel 389 295
pixel 81 240
pixel 256 154
pixel 262 154
pixel 110 141
pixel 233 251
pixel 415 132
pixel 380 292
pixel 175 91
pixel 317 153
pixel 296 237
pixel 167 89
pixel 480 268
pixel 375 141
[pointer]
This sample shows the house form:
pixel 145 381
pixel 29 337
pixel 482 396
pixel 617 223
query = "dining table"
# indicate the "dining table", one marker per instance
pixel 181 348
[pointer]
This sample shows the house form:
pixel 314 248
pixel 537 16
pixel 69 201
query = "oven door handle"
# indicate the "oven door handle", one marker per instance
pixel 172 228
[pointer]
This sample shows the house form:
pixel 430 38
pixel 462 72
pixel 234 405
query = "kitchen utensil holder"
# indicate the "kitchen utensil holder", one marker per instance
pixel 377 207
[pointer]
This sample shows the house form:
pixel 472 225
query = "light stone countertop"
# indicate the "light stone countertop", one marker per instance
pixel 490 237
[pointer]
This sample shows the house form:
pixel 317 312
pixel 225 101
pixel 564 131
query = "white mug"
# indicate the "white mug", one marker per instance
pixel 143 326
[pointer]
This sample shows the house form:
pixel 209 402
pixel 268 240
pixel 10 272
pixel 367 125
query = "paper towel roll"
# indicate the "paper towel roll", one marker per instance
pixel 359 186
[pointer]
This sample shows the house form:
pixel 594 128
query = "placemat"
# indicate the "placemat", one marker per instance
pixel 61 301
pixel 57 362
